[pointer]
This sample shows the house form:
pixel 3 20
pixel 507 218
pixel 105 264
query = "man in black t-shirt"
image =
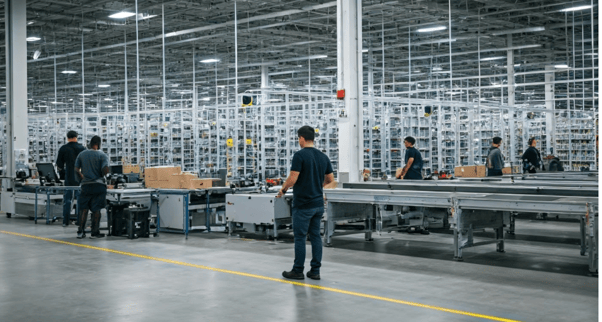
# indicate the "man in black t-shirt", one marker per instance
pixel 413 161
pixel 310 172
pixel 66 165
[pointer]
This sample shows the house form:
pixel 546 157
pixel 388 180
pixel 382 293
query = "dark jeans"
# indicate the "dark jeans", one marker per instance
pixel 67 201
pixel 307 221
pixel 494 173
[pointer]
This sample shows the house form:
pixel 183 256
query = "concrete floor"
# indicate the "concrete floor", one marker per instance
pixel 533 281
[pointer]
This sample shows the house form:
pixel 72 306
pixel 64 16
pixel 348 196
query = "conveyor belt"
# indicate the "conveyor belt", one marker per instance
pixel 474 187
pixel 468 212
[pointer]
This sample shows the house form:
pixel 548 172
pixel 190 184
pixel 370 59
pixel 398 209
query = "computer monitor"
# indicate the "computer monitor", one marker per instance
pixel 47 173
pixel 117 169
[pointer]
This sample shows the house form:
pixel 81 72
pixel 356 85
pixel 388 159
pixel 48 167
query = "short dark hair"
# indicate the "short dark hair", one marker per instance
pixel 497 140
pixel 531 141
pixel 95 140
pixel 410 139
pixel 307 132
pixel 71 135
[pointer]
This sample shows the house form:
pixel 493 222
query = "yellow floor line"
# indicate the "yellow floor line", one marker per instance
pixel 279 280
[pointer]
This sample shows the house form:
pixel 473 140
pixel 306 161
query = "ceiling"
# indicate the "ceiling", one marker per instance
pixel 297 42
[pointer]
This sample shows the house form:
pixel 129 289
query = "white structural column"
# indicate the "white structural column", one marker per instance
pixel 511 95
pixel 16 84
pixel 550 124
pixel 264 101
pixel 349 78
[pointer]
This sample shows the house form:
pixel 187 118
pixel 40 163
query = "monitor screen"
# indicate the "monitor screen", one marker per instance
pixel 117 169
pixel 46 171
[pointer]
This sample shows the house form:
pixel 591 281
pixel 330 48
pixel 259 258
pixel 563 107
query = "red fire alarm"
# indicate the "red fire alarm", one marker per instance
pixel 341 94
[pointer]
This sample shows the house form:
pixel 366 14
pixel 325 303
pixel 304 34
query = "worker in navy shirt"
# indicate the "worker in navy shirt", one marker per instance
pixel 413 161
pixel 310 172
pixel 65 162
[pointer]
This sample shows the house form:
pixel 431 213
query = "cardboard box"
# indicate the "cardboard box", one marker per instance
pixel 473 171
pixel 160 173
pixel 131 169
pixel 508 170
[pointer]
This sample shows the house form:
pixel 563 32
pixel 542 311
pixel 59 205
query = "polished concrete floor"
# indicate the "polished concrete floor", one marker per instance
pixel 535 280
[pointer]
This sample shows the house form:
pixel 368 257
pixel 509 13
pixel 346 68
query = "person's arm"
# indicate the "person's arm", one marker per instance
pixel 105 171
pixel 78 168
pixel 290 181
pixel 78 172
pixel 405 169
pixel 105 165
pixel 60 160
pixel 328 179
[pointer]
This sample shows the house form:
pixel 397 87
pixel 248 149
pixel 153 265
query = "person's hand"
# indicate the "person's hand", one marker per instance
pixel 281 193
pixel 401 178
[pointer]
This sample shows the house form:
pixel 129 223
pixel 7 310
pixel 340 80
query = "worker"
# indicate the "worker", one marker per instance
pixel 65 163
pixel 311 170
pixel 92 166
pixel 495 159
pixel 532 158
pixel 413 160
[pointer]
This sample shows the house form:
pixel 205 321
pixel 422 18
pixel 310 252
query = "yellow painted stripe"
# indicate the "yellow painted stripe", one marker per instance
pixel 279 280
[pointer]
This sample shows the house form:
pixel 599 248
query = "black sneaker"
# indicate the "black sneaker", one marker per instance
pixel 81 234
pixel 292 275
pixel 313 276
pixel 99 235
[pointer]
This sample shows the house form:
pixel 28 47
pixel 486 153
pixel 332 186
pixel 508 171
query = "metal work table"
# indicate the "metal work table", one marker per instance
pixel 51 190
pixel 211 198
pixel 465 212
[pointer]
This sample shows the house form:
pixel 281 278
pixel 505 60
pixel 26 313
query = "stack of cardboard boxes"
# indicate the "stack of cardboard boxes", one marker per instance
pixel 174 178
pixel 479 171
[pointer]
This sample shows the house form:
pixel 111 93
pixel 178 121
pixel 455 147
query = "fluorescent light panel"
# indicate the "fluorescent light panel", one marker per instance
pixel 33 38
pixel 431 29
pixel 122 15
pixel 575 8
pixel 104 85
pixel 210 60
pixel 492 58
pixel 561 66
pixel 68 72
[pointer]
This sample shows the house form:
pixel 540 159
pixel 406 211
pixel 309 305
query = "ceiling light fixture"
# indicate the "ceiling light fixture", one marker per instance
pixel 561 66
pixel 431 29
pixel 206 99
pixel 210 60
pixel 104 85
pixel 437 68
pixel 36 54
pixel 517 31
pixel 122 15
pixel 33 38
pixel 141 17
pixel 575 8
pixel 492 58
pixel 68 72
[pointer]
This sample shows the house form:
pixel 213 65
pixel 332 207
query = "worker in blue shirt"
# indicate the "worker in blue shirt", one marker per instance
pixel 413 161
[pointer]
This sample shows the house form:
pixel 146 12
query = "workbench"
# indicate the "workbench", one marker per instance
pixel 181 202
pixel 52 193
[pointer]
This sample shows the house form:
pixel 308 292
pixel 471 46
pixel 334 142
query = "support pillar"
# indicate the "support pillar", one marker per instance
pixel 16 86
pixel 550 124
pixel 350 78
pixel 511 96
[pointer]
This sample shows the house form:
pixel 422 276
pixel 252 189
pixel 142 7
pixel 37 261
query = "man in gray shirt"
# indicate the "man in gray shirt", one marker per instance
pixel 92 166
pixel 495 159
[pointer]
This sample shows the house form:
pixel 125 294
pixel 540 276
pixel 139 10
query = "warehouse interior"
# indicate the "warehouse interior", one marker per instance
pixel 198 104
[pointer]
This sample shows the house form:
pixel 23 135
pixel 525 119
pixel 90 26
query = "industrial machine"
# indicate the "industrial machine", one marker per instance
pixel 258 213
